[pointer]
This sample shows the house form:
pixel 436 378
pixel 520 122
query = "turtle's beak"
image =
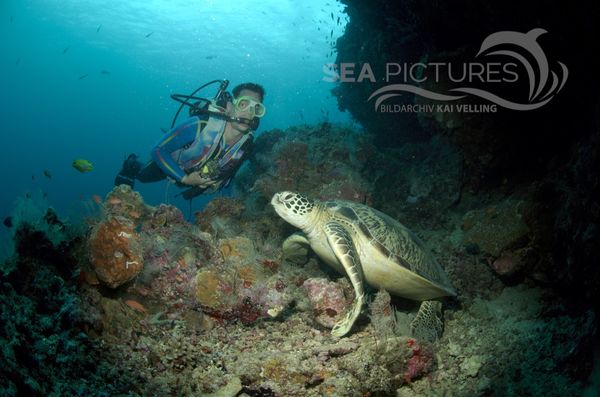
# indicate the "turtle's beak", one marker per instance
pixel 276 200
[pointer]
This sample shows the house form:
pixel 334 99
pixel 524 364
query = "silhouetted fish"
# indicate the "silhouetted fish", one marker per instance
pixel 47 174
pixel 66 49
pixel 332 16
pixel 338 21
pixel 105 72
pixel 8 221
pixel 210 56
pixel 97 30
pixel 83 76
pixel 33 177
pixel 164 130
pixel 149 34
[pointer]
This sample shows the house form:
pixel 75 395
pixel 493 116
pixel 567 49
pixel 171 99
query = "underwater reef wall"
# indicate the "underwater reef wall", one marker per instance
pixel 547 156
pixel 496 146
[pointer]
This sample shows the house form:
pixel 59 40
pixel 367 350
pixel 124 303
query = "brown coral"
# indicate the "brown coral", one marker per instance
pixel 125 202
pixel 116 254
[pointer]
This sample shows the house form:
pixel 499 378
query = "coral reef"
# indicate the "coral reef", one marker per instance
pixel 115 251
pixel 329 300
pixel 47 327
pixel 214 309
pixel 324 161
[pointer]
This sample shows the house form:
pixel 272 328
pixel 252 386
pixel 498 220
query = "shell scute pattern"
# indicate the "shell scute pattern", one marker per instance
pixel 390 238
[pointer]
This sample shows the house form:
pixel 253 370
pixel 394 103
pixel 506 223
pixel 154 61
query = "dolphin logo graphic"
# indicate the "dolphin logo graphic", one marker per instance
pixel 541 90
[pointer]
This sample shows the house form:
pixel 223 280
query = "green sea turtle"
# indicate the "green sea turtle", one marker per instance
pixel 367 245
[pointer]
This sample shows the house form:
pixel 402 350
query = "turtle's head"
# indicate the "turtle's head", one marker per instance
pixel 293 208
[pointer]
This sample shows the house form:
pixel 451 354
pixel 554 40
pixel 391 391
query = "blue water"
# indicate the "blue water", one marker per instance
pixel 57 104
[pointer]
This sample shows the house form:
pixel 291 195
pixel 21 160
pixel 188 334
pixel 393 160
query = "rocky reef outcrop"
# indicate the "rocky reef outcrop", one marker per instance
pixel 544 158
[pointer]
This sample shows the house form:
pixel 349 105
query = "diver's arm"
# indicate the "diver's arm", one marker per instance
pixel 174 140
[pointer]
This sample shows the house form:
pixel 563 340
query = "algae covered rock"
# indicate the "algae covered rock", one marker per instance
pixel 328 299
pixel 496 228
pixel 116 253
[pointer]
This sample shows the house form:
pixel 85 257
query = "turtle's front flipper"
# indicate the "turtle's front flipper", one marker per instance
pixel 295 248
pixel 428 325
pixel 341 243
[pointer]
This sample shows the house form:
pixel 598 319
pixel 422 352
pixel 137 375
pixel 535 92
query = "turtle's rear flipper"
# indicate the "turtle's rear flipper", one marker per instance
pixel 428 325
pixel 295 248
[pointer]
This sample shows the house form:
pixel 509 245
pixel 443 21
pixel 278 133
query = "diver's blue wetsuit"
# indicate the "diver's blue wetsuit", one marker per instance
pixel 187 146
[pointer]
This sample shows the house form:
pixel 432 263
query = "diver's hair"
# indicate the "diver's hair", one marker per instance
pixel 251 87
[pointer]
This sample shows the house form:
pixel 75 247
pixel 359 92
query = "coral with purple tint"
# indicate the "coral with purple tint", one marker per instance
pixel 328 300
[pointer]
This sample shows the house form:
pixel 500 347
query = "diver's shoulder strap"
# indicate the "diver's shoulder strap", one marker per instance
pixel 211 123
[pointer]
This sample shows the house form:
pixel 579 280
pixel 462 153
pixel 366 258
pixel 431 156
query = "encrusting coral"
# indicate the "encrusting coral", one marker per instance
pixel 115 251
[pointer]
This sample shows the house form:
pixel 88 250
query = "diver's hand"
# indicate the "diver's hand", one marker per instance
pixel 196 179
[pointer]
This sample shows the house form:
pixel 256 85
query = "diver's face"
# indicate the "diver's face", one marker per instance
pixel 248 113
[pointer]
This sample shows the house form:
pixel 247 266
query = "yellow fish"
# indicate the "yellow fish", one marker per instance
pixel 82 165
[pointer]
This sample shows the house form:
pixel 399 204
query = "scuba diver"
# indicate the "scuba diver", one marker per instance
pixel 205 151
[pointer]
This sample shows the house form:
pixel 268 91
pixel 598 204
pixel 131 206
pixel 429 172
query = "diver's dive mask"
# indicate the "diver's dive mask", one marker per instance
pixel 248 104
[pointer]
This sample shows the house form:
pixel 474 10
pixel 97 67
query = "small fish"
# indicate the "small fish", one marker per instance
pixel 8 222
pixel 332 16
pixel 18 61
pixel 83 76
pixel 11 19
pixel 97 199
pixel 47 174
pixel 164 130
pixel 210 56
pixel 104 72
pixel 149 34
pixel 66 49
pixel 28 195
pixel 338 21
pixel 114 201
pixel 33 177
pixel 82 165
pixel 331 34
pixel 98 29
pixel 137 306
